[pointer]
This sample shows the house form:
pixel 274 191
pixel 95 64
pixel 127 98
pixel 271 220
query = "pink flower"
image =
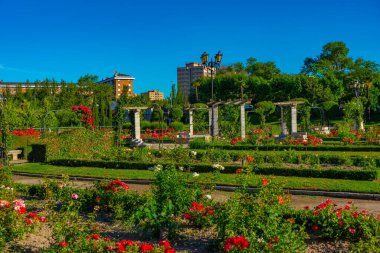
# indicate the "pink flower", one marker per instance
pixel 42 219
pixel 352 230
pixel 29 221
pixel 74 196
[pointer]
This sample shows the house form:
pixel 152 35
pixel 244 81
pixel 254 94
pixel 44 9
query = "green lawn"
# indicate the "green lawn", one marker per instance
pixel 225 179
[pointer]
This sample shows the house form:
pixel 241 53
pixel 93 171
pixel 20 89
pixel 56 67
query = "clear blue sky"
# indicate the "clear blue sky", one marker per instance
pixel 149 39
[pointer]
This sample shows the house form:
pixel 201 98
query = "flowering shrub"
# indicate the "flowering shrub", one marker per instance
pixel 218 167
pixel 237 242
pixel 311 140
pixel 87 117
pixel 198 215
pixel 259 137
pixel 14 220
pixel 347 137
pixel 327 220
pixel 97 243
pixel 235 140
pixel 26 133
pixel 261 220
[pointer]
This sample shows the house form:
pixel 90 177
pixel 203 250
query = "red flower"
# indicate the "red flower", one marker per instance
pixel 347 207
pixel 29 221
pixel 146 247
pixel 341 223
pixel 126 242
pixel 306 207
pixel 21 210
pixel 315 227
pixel 32 215
pixel 42 219
pixel 95 237
pixel 164 243
pixel 98 199
pixel 264 181
pixel 238 241
pixel 63 244
pixel 250 158
pixel 316 212
pixel 352 230
pixel 270 245
pixel 170 250
pixel 280 200
pixel 238 171
pixel 349 202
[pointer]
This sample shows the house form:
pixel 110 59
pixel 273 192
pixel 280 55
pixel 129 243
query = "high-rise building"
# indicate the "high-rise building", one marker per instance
pixel 186 75
pixel 122 84
pixel 154 95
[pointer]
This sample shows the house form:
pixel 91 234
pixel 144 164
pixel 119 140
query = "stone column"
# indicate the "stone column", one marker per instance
pixel 137 124
pixel 210 120
pixel 215 127
pixel 242 120
pixel 191 132
pixel 293 115
pixel 284 130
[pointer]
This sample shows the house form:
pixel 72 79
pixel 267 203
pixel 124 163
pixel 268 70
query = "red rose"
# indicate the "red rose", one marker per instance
pixel 170 250
pixel 95 237
pixel 42 219
pixel 146 247
pixel 63 244
pixel 164 243
pixel 264 181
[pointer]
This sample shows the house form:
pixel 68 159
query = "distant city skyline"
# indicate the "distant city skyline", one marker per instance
pixel 149 39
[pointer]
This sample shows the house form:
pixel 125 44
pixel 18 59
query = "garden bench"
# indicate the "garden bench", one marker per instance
pixel 14 154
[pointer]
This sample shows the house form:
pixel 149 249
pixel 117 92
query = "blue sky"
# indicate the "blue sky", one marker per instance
pixel 149 39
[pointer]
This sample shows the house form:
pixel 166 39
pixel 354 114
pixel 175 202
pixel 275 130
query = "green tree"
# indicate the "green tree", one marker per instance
pixel 265 70
pixel 354 111
pixel 264 109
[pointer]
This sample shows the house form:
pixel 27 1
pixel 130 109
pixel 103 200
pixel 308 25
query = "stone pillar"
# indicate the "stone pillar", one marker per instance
pixel 191 132
pixel 242 120
pixel 210 120
pixel 137 124
pixel 215 127
pixel 293 115
pixel 284 130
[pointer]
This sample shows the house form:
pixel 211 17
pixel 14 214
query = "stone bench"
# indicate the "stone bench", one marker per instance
pixel 14 154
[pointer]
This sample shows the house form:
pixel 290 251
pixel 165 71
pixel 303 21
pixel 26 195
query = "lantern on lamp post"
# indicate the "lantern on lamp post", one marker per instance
pixel 213 64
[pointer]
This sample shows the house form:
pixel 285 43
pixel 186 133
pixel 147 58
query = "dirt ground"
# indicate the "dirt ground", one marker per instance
pixel 297 201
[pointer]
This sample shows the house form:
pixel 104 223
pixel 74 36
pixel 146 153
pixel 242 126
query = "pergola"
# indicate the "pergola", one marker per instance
pixel 213 115
pixel 293 119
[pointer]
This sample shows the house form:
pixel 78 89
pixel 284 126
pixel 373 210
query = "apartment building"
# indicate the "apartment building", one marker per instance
pixel 122 84
pixel 154 95
pixel 191 72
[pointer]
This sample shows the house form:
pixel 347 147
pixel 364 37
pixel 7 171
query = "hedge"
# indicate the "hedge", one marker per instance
pixel 337 173
pixel 280 147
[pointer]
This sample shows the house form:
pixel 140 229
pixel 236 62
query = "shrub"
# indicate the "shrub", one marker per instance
pixel 178 126
pixel 260 219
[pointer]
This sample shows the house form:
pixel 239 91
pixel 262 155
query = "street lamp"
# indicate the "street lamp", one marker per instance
pixel 213 65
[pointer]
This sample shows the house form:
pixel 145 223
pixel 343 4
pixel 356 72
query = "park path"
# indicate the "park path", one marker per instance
pixel 297 201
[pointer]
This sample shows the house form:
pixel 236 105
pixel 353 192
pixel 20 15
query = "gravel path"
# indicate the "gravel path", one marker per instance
pixel 297 201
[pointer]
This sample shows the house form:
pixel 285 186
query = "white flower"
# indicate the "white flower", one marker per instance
pixel 193 153
pixel 208 196
pixel 158 167
pixel 195 174
pixel 260 240
pixel 180 168
pixel 3 186
pixel 218 166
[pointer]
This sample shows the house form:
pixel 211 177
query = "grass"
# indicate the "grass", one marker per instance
pixel 222 179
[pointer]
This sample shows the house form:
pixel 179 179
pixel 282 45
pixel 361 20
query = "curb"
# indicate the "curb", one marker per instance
pixel 351 195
